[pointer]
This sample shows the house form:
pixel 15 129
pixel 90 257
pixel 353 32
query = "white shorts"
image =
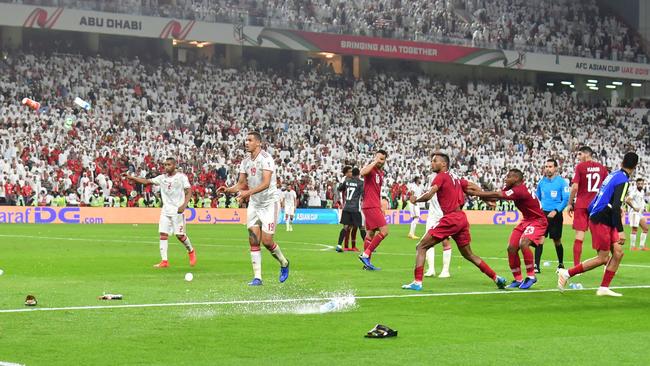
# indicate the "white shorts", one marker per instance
pixel 289 211
pixel 414 209
pixel 432 221
pixel 172 225
pixel 635 218
pixel 265 217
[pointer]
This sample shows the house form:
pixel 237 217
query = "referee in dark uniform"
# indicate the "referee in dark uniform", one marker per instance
pixel 553 192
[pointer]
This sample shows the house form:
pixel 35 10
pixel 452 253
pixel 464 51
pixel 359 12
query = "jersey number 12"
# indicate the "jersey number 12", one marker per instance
pixel 593 182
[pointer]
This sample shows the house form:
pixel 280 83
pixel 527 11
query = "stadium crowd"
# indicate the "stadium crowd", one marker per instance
pixel 315 122
pixel 566 27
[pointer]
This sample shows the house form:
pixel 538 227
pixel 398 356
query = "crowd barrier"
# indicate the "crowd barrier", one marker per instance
pixel 110 215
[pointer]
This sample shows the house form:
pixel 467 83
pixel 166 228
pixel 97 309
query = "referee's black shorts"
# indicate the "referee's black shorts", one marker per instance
pixel 351 218
pixel 554 228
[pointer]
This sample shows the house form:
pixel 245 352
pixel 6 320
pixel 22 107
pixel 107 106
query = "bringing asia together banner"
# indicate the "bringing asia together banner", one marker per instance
pixel 132 215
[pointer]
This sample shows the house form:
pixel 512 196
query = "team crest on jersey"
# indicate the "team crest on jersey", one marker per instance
pixel 509 192
pixel 377 179
pixel 253 170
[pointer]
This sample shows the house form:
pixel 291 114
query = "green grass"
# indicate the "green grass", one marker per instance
pixel 65 265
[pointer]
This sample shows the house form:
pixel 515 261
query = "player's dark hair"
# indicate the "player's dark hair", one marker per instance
pixel 517 172
pixel 630 160
pixel 444 157
pixel 416 179
pixel 356 172
pixel 383 152
pixel 586 150
pixel 640 180
pixel 552 161
pixel 346 169
pixel 171 159
pixel 257 135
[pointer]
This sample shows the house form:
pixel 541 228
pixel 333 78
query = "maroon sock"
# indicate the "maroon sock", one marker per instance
pixel 374 243
pixel 346 239
pixel 487 270
pixel 607 278
pixel 577 251
pixel 366 242
pixel 419 273
pixel 353 237
pixel 576 270
pixel 515 265
pixel 529 261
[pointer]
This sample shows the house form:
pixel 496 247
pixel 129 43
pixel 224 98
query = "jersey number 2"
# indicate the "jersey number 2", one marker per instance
pixel 593 182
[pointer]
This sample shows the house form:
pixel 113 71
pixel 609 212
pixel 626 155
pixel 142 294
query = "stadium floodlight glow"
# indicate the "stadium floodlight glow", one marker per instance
pixel 592 81
pixel 610 86
pixel 593 87
pixel 549 84
pixel 617 83
pixel 590 84
pixel 566 83
pixel 326 54
pixel 636 85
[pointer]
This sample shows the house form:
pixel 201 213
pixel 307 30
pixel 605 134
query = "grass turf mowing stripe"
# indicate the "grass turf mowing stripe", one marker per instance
pixel 311 299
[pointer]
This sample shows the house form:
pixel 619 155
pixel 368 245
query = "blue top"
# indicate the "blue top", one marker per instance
pixel 553 193
pixel 606 206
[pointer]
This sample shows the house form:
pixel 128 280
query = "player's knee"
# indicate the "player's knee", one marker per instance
pixel 164 236
pixel 634 230
pixel 181 238
pixel 513 249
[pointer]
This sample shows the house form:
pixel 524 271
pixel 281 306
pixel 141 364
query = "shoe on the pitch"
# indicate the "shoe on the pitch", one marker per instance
pixel 645 249
pixel 537 270
pixel 514 284
pixel 367 265
pixel 354 249
pixel 501 282
pixel 634 249
pixel 192 256
pixel 339 249
pixel 605 291
pixel 562 278
pixel 413 286
pixel 255 282
pixel 162 264
pixel 444 274
pixel 284 273
pixel 561 265
pixel 528 283
pixel 430 274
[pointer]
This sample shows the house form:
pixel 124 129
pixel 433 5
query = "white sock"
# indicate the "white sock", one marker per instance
pixel 642 242
pixel 277 254
pixel 164 244
pixel 256 260
pixel 188 244
pixel 446 260
pixel 288 225
pixel 431 260
pixel 414 223
pixel 633 240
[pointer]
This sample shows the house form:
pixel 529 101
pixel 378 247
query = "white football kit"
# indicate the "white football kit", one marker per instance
pixel 290 202
pixel 263 207
pixel 172 191
pixel 414 208
pixel 638 201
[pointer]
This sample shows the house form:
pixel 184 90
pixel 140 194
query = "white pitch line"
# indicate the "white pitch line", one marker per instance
pixel 307 299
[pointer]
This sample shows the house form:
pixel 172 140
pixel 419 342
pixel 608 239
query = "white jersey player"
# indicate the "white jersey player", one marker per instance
pixel 415 189
pixel 258 172
pixel 636 202
pixel 289 203
pixel 176 191
pixel 433 217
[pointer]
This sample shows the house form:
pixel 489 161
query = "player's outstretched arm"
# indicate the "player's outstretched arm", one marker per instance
pixel 241 182
pixel 137 179
pixel 486 195
pixel 427 196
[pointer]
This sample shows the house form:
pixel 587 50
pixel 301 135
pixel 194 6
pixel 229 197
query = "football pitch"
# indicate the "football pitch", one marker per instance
pixel 217 319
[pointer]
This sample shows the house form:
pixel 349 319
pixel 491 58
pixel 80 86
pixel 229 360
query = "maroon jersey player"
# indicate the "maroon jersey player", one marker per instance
pixel 586 182
pixel 376 227
pixel 451 197
pixel 530 230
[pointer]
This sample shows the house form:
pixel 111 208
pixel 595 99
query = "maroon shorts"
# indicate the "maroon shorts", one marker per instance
pixel 375 218
pixel 454 224
pixel 602 236
pixel 532 229
pixel 580 219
